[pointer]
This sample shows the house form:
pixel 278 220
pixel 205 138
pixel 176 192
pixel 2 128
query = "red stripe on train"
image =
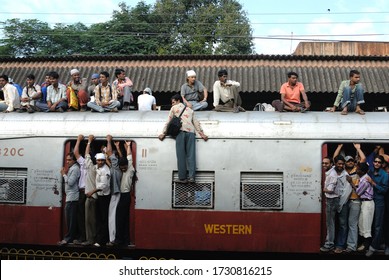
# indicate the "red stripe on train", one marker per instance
pixel 30 225
pixel 227 231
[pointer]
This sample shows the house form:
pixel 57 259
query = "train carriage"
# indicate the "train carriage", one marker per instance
pixel 258 182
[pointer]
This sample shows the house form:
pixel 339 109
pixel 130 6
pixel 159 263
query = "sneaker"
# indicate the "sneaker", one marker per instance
pixel 181 181
pixel 326 249
pixel 369 253
pixel 30 110
pixel 62 242
pixel 115 110
pixel 77 242
pixel 348 251
pixel 96 244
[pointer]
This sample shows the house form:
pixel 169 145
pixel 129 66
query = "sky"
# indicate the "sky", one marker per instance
pixel 278 25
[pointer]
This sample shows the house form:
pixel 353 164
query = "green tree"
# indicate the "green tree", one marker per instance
pixel 167 27
pixel 204 27
pixel 24 37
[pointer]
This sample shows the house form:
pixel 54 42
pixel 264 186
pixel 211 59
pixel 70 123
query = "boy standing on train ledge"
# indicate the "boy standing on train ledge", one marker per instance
pixel 290 96
pixel 350 95
pixel 185 140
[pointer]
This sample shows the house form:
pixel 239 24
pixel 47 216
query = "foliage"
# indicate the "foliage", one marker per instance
pixel 167 27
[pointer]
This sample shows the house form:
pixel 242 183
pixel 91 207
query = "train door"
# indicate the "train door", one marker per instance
pixel 99 146
pixel 353 153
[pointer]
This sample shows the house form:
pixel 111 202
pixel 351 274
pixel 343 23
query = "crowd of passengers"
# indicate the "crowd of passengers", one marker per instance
pixel 98 195
pixel 356 190
pixel 97 94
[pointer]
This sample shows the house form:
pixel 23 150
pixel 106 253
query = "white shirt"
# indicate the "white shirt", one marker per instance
pixel 146 102
pixel 11 97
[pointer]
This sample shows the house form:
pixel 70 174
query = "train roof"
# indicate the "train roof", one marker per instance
pixel 262 125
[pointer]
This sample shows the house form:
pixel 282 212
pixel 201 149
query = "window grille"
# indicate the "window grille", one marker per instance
pixel 194 195
pixel 13 182
pixel 261 190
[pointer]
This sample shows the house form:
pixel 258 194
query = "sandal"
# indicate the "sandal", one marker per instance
pixel 338 250
pixel 344 113
pixel 361 112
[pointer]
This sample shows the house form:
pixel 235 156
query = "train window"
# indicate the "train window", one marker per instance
pixel 194 195
pixel 13 182
pixel 261 190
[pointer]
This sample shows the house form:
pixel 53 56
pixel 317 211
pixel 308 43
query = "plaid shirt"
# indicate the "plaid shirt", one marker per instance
pixel 105 93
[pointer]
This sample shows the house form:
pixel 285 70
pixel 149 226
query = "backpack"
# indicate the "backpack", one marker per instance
pixel 174 126
pixel 259 107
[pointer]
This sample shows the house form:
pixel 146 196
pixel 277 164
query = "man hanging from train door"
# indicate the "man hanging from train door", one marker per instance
pixel 334 177
pixel 71 176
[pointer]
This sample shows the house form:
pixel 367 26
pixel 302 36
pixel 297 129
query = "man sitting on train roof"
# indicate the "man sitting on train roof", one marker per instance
pixel 105 96
pixel 193 92
pixel 78 87
pixel 350 95
pixel 290 96
pixel 11 99
pixel 56 96
pixel 226 97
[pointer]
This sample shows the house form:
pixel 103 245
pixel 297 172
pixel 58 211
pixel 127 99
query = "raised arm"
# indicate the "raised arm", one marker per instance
pixel 337 151
pixel 90 140
pixel 109 145
pixel 77 146
pixel 117 145
pixel 361 154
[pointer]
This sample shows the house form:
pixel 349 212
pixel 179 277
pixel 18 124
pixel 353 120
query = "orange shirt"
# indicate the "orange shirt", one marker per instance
pixel 292 94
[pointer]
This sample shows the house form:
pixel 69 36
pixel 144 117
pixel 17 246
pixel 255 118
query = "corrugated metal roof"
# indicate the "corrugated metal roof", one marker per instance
pixel 256 73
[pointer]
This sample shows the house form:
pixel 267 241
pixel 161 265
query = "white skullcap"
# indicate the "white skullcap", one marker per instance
pixel 74 71
pixel 190 73
pixel 100 156
pixel 148 90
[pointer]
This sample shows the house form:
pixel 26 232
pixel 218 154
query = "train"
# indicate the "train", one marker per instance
pixel 258 182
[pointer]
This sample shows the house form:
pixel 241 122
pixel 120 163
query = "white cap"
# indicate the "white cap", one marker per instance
pixel 148 90
pixel 74 71
pixel 190 73
pixel 100 156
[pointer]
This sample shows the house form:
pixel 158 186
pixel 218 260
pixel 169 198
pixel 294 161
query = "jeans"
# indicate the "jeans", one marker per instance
pixel 186 154
pixel 331 205
pixel 341 237
pixel 198 105
pixel 351 100
pixel 101 109
pixel 71 220
pixel 378 226
pixel 353 217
